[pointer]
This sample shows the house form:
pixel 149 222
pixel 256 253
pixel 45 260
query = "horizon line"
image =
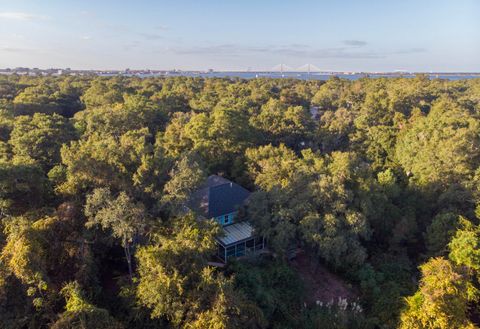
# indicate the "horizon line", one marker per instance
pixel 124 70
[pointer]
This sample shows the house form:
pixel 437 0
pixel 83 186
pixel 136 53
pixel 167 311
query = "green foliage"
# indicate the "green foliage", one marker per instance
pixel 80 314
pixel 176 283
pixel 105 161
pixel 442 299
pixel 441 147
pixel 274 287
pixel 38 139
pixel 169 270
pixel 368 177
pixel 6 124
pixel 465 246
pixel 122 216
pixel 280 123
pixel 186 176
pixel 103 92
pixel 334 128
pixel 133 113
pixel 22 187
pixel 383 283
pixel 49 98
pixel 333 94
pixel 308 199
pixel 440 232
pixel 24 256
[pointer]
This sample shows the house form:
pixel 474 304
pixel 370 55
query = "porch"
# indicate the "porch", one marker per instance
pixel 239 240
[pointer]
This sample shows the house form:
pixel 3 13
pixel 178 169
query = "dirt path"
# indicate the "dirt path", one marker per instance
pixel 321 284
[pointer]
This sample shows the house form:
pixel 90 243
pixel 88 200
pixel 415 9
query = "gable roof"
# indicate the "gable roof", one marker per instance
pixel 218 196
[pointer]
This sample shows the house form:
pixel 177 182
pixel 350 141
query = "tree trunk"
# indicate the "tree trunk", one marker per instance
pixel 128 256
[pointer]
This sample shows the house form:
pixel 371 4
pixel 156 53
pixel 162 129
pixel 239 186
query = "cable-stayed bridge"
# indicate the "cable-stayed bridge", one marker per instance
pixel 281 68
pixel 306 68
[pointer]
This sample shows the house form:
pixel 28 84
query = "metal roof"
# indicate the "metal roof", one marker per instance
pixel 235 233
pixel 217 196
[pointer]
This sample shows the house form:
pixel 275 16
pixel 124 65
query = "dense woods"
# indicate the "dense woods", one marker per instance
pixel 377 180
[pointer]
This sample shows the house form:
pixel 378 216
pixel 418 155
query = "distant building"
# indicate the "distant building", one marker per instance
pixel 220 199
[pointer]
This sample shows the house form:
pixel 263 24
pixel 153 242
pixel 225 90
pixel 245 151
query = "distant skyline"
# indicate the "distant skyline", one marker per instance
pixel 348 35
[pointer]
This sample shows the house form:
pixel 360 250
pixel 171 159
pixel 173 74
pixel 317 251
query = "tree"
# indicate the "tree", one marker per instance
pixel 174 280
pixel 465 246
pixel 280 123
pixel 133 113
pixel 106 161
pixel 42 248
pixel 334 128
pixel 186 176
pixel 39 138
pixel 103 92
pixel 275 217
pixel 176 283
pixel 80 314
pixel 220 137
pixel 174 140
pixel 368 176
pixel 22 187
pixel 229 310
pixel 171 101
pixel 275 287
pixel 442 147
pixel 442 299
pixel 218 317
pixel 384 282
pixel 46 97
pixel 308 199
pixel 6 124
pixel 124 218
pixel 440 232
pixel 24 257
pixel 333 94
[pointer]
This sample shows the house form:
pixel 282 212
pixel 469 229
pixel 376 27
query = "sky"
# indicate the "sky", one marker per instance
pixel 333 35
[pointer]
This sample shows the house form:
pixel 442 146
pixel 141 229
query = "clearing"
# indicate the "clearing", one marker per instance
pixel 321 284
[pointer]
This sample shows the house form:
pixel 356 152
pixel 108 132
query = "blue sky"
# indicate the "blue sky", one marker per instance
pixel 343 35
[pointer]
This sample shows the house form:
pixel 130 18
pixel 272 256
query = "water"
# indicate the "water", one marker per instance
pixel 304 76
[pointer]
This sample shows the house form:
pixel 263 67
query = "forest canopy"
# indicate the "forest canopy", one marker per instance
pixel 376 180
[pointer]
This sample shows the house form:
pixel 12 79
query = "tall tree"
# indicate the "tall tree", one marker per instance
pixel 120 215
pixel 38 138
pixel 80 314
pixel 442 299
pixel 174 280
pixel 442 147
pixel 186 176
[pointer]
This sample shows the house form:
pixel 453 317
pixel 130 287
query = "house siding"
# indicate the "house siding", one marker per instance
pixel 226 219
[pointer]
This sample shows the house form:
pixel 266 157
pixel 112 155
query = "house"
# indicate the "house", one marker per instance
pixel 220 199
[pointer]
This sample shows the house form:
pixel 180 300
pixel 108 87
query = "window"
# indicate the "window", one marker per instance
pixel 240 249
pixel 258 243
pixel 221 252
pixel 231 251
pixel 226 219
pixel 249 244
